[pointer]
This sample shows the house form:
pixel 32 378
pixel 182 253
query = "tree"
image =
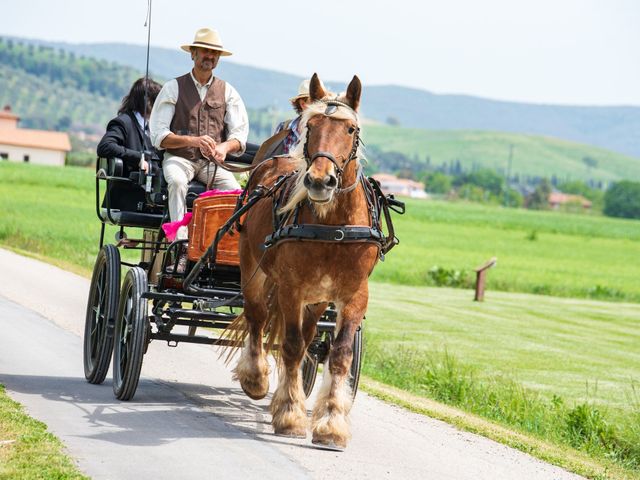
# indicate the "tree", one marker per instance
pixel 539 199
pixel 623 200
pixel 437 182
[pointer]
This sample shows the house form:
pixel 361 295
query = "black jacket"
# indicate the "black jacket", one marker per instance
pixel 124 139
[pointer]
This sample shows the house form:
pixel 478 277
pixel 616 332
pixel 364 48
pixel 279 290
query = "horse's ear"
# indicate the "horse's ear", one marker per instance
pixel 353 92
pixel 316 89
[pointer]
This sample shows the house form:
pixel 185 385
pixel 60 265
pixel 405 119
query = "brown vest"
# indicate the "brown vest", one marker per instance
pixel 195 117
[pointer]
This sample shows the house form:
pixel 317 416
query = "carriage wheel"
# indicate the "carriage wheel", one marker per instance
pixel 130 335
pixel 309 371
pixel 356 363
pixel 309 367
pixel 101 311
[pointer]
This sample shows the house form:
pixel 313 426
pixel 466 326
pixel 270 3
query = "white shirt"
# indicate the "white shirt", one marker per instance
pixel 236 120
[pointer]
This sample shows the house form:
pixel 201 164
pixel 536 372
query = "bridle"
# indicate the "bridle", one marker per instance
pixel 332 107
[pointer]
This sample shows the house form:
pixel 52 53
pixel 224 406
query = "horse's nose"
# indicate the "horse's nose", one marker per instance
pixel 329 182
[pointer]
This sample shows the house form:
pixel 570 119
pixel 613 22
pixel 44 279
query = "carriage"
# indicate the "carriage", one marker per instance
pixel 201 304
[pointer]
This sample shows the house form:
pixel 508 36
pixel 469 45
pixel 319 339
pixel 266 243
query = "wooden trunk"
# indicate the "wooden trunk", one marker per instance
pixel 209 214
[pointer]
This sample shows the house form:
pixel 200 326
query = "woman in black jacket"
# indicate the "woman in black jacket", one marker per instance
pixel 127 139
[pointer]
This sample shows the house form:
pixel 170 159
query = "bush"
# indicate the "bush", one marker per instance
pixel 443 277
pixel 623 200
pixel 586 427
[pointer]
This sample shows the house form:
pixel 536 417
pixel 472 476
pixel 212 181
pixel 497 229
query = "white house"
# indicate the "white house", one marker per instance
pixel 34 146
pixel 400 186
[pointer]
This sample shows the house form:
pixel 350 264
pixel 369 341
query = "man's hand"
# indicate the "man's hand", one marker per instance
pixel 220 152
pixel 223 149
pixel 206 144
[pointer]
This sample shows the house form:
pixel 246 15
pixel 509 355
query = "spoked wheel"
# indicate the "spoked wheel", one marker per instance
pixel 101 311
pixel 309 371
pixel 130 334
pixel 356 363
pixel 310 364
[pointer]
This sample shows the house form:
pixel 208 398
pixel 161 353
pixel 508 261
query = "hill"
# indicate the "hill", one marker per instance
pixel 57 89
pixel 533 155
pixel 614 128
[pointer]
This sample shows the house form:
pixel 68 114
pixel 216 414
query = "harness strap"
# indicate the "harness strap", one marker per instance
pixel 324 233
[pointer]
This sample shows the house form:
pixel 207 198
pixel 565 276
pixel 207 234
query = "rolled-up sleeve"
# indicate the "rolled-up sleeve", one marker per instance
pixel 162 113
pixel 236 119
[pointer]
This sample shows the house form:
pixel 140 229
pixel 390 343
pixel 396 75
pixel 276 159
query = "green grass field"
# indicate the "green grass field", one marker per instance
pixel 577 349
pixel 533 155
pixel 50 212
pixel 564 369
pixel 570 255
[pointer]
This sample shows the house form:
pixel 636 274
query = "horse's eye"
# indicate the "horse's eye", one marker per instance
pixel 351 130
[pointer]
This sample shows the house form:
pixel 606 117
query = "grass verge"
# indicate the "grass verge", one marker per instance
pixel 584 427
pixel 562 456
pixel 27 449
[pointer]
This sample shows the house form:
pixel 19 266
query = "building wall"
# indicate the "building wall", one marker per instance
pixel 37 156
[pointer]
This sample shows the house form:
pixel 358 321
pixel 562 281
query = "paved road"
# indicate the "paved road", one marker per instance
pixel 189 420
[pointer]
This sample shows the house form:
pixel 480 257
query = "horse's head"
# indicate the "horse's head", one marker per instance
pixel 329 143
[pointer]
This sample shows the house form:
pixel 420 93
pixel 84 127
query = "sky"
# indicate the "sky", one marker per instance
pixel 569 52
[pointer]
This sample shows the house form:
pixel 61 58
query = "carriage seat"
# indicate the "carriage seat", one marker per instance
pixel 128 206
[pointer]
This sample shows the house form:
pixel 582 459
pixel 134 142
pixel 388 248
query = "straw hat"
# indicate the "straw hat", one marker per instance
pixel 207 38
pixel 303 91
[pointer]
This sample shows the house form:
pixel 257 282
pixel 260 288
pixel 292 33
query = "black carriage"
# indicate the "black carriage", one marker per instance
pixel 155 296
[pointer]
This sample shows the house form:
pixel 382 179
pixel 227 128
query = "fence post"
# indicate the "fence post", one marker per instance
pixel 481 278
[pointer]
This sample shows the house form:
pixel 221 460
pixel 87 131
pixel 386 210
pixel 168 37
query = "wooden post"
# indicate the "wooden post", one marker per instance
pixel 481 278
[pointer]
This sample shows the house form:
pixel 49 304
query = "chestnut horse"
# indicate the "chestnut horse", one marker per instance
pixel 288 286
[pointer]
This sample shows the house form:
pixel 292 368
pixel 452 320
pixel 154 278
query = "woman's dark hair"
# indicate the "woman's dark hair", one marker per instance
pixel 134 100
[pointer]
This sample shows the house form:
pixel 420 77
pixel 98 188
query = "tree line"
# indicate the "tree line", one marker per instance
pixel 450 180
pixel 59 66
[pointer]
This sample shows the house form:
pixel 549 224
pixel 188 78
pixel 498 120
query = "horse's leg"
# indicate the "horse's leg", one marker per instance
pixel 289 415
pixel 252 369
pixel 330 422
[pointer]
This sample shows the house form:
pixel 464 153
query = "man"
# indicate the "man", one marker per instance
pixel 299 102
pixel 197 118
pixel 287 134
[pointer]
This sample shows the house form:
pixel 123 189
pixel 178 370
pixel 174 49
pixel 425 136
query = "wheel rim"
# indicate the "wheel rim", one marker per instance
pixel 98 320
pixel 125 334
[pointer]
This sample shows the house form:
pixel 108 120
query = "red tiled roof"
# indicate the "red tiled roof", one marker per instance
pixel 559 198
pixel 23 137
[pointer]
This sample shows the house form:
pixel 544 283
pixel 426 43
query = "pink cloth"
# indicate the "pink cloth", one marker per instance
pixel 211 193
pixel 171 228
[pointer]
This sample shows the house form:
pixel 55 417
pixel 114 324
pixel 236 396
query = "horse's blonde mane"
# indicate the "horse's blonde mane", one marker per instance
pixel 299 192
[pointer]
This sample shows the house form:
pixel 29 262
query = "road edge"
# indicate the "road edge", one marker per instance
pixel 565 457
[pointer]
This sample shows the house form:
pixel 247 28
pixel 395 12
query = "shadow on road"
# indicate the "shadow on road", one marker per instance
pixel 160 413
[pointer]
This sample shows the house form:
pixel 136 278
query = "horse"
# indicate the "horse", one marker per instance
pixel 288 285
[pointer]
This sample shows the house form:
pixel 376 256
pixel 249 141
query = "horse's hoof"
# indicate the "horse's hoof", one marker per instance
pixel 291 433
pixel 254 395
pixel 329 444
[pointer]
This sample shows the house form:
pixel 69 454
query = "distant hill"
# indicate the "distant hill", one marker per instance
pixel 614 128
pixel 533 155
pixel 70 91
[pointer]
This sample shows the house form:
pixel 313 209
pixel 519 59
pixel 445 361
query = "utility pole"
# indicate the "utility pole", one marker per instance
pixel 507 180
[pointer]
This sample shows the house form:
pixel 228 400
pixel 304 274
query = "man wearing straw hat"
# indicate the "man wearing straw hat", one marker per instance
pixel 197 118
pixel 287 134
pixel 299 102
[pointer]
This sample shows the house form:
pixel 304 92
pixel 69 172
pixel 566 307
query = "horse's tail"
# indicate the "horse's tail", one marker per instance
pixel 232 338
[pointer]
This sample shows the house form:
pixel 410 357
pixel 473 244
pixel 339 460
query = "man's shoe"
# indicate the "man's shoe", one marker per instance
pixel 182 265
